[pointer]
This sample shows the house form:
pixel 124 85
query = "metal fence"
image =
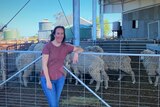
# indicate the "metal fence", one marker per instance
pixel 120 93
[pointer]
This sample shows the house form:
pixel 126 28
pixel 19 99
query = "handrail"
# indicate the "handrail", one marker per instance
pixel 87 87
pixel 15 51
pixel 20 71
pixel 88 53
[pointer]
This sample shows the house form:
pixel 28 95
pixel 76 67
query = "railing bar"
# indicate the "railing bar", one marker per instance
pixel 15 51
pixel 86 53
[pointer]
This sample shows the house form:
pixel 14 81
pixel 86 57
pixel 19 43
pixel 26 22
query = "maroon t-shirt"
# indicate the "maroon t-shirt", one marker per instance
pixel 56 58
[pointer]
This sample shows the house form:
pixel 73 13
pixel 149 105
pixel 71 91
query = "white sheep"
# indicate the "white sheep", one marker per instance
pixel 67 64
pixel 31 48
pixel 2 68
pixel 114 62
pixel 21 61
pixel 91 64
pixel 38 65
pixel 122 63
pixel 25 58
pixel 151 64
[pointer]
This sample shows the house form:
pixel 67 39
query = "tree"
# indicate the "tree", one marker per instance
pixel 106 26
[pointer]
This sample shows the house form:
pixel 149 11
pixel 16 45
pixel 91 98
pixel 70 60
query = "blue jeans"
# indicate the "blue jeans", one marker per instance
pixel 53 95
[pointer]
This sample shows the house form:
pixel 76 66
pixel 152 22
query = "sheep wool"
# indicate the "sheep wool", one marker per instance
pixel 151 64
pixel 93 65
pixel 25 58
pixel 2 68
pixel 113 62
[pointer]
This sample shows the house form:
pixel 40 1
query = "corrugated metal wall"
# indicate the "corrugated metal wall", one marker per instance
pixel 144 17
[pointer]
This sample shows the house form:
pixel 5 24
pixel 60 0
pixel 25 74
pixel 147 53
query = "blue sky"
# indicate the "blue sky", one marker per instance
pixel 27 20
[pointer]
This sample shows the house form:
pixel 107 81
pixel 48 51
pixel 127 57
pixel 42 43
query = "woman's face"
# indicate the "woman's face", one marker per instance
pixel 59 35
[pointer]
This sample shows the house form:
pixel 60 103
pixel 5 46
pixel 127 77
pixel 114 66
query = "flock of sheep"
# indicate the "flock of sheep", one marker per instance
pixel 94 65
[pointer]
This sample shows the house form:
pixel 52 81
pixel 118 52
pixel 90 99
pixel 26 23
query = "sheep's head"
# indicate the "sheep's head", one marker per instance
pixel 88 48
pixel 94 49
pixel 147 51
pixel 97 49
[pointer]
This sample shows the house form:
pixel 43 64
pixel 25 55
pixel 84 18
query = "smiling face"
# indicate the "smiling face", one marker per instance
pixel 59 35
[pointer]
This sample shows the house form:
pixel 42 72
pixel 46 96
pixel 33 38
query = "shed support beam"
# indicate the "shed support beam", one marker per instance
pixel 76 22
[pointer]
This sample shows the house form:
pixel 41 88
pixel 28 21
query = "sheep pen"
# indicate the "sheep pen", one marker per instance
pixel 118 94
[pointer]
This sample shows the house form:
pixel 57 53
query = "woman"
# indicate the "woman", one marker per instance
pixel 53 56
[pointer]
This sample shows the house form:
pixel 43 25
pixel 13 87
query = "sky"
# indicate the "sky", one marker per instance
pixel 26 22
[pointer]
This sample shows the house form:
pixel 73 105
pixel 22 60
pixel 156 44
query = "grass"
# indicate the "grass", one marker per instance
pixel 82 101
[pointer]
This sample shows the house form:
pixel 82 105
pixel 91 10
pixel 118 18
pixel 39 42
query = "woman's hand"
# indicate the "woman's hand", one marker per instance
pixel 76 50
pixel 49 85
pixel 75 58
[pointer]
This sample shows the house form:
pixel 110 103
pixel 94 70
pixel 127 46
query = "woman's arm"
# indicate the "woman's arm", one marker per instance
pixel 45 70
pixel 76 50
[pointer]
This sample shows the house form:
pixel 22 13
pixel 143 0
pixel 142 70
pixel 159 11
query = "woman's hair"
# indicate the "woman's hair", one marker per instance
pixel 54 32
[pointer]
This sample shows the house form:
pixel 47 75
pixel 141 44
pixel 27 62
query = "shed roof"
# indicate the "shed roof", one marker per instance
pixel 119 6
pixel 63 21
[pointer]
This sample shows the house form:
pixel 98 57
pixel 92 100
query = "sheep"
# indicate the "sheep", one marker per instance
pixel 39 46
pixel 67 64
pixel 113 62
pixel 91 64
pixel 25 58
pixel 2 68
pixel 20 64
pixel 119 63
pixel 94 49
pixel 31 47
pixel 38 64
pixel 21 61
pixel 151 64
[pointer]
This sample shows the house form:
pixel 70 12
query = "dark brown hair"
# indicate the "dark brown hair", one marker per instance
pixel 54 32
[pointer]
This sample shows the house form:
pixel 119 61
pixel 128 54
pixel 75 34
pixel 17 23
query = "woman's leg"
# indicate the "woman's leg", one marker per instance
pixel 59 86
pixel 49 93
